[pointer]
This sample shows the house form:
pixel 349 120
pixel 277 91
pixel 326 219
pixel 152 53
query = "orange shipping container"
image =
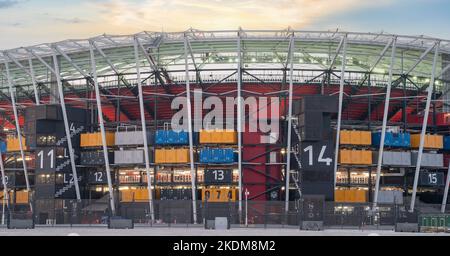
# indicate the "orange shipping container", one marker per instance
pixel 229 137
pixel 95 139
pixel 21 197
pixel 172 156
pixel 350 196
pixel 362 157
pixel 127 196
pixel 345 156
pixel 339 195
pixel 12 144
pixel 344 137
pixel 366 157
pixel 218 137
pixel 355 138
pixel 160 156
pixel 431 141
pixel 182 156
pixel 360 196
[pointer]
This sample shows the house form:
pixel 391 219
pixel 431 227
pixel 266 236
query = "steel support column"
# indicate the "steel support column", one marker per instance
pixel 102 128
pixel 447 184
pixel 16 120
pixel 144 129
pixel 5 188
pixel 189 121
pixel 424 126
pixel 385 117
pixel 33 79
pixel 66 126
pixel 239 118
pixel 289 135
pixel 341 98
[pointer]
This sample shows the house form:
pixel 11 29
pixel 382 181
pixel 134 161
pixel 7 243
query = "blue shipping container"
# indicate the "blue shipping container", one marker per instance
pixel 2 146
pixel 217 156
pixel 169 137
pixel 447 142
pixel 401 140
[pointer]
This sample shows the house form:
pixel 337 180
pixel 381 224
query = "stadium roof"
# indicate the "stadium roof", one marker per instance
pixel 212 51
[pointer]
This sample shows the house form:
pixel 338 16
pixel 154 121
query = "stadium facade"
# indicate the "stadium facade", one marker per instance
pixel 364 121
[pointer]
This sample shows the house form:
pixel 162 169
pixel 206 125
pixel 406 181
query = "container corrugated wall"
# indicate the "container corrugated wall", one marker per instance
pixel 428 159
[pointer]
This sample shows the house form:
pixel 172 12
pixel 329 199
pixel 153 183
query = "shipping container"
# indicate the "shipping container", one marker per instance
pixel 393 158
pixel 355 138
pixel 218 137
pixel 22 197
pixel 95 139
pixel 350 196
pixel 2 146
pixel 399 140
pixel 428 159
pixel 217 155
pixel 170 137
pixel 431 141
pixel 447 142
pixel 390 197
pixel 361 157
pixel 125 138
pixel 13 145
pixel 130 156
pixel 171 156
pixel 95 158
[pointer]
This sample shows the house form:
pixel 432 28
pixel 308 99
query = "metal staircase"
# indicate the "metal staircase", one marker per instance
pixel 65 188
pixel 295 150
pixel 73 133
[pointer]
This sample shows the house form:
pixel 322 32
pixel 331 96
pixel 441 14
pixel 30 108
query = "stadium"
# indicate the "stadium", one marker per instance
pixel 363 134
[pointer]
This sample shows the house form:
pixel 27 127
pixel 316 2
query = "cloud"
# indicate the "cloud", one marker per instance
pixel 7 3
pixel 75 20
pixel 174 15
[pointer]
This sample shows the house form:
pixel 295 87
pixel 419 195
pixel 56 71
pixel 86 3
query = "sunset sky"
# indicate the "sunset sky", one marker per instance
pixel 28 22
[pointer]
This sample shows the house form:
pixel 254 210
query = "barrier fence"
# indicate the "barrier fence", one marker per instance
pixel 257 214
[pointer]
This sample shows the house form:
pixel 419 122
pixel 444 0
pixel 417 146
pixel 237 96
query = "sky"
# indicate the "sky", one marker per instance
pixel 29 22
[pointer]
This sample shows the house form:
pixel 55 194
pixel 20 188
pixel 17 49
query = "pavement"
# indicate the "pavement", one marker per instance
pixel 197 231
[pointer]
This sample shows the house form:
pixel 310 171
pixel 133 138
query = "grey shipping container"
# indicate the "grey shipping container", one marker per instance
pixel 394 158
pixel 390 197
pixel 124 138
pixel 131 156
pixel 428 159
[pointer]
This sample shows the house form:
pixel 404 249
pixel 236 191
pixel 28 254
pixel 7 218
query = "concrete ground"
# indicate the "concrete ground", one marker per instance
pixel 180 231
